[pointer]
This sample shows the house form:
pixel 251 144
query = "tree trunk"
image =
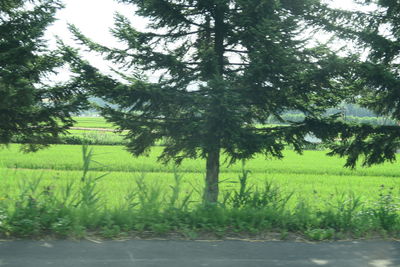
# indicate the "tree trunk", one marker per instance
pixel 211 189
pixel 219 30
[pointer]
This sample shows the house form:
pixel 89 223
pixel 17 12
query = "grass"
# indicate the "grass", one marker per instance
pixel 92 122
pixel 93 137
pixel 63 192
pixel 312 174
pixel 90 132
pixel 116 184
pixel 115 158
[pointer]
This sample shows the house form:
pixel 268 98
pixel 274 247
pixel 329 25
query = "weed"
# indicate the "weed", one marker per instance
pixel 320 234
pixel 386 208
pixel 250 196
pixel 111 231
pixel 342 214
pixel 61 227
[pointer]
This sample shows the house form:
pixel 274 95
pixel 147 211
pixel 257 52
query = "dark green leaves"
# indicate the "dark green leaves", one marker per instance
pixel 35 112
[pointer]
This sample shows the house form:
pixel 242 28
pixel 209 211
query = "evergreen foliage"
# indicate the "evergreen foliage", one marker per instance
pixel 376 80
pixel 225 66
pixel 30 109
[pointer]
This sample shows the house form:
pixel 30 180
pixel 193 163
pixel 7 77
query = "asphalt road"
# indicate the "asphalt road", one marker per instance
pixel 144 253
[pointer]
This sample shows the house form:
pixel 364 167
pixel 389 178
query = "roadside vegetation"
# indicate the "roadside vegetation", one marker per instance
pixel 62 192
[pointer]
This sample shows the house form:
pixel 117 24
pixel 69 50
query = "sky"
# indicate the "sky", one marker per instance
pixel 94 18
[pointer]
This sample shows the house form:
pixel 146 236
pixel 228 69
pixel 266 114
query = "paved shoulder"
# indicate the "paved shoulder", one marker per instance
pixel 195 253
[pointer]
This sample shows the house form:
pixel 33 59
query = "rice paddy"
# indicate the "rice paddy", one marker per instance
pixel 307 175
pixel 310 174
pixel 92 122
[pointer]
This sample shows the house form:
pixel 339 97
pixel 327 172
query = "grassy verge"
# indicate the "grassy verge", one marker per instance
pixel 88 202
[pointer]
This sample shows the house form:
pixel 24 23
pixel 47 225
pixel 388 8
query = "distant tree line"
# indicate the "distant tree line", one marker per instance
pixel 345 112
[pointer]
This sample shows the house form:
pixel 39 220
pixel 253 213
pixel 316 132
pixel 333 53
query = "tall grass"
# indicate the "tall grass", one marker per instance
pixel 79 207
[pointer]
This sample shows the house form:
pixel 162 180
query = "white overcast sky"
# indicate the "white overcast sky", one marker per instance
pixel 95 17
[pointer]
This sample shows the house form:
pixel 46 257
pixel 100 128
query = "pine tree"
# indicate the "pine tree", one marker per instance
pixel 225 67
pixel 34 112
pixel 376 81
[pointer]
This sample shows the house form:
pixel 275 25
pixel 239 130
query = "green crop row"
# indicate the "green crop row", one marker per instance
pixel 116 158
pixel 92 122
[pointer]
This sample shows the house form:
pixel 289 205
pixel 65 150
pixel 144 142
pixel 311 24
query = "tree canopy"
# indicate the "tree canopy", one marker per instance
pixel 30 108
pixel 376 80
pixel 224 67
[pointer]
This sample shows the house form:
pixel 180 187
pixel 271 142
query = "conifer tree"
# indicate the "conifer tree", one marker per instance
pixel 34 112
pixel 224 67
pixel 375 80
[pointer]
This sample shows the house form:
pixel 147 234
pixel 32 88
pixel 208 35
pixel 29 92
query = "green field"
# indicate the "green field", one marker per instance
pixel 94 137
pixel 309 175
pixel 92 122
